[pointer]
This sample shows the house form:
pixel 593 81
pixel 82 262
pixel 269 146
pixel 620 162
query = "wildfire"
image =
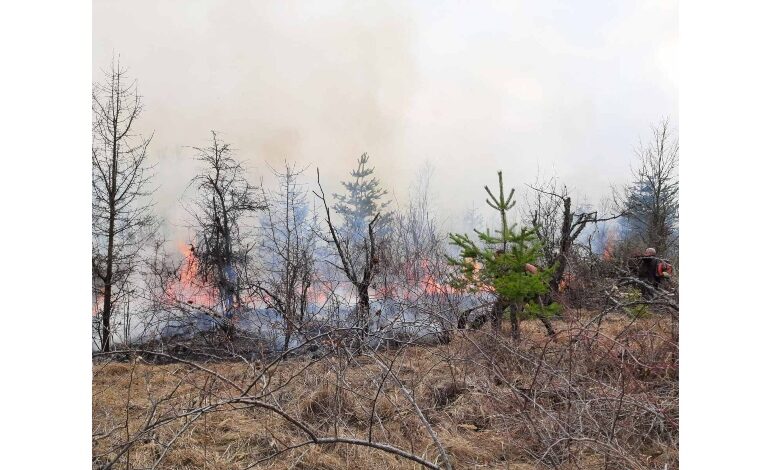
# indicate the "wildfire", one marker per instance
pixel 188 288
pixel 322 291
pixel 429 283
pixel 97 305
pixel 416 278
pixel 609 246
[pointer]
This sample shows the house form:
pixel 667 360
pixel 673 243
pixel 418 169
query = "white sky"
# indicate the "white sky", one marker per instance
pixel 561 87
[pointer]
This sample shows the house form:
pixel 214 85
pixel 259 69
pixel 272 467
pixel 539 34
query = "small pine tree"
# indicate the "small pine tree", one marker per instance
pixel 497 262
pixel 362 201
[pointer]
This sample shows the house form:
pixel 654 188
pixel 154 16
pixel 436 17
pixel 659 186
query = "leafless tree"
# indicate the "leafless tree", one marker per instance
pixel 651 201
pixel 121 215
pixel 558 225
pixel 358 261
pixel 287 250
pixel 414 272
pixel 224 200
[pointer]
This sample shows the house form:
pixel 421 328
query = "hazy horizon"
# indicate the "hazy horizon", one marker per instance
pixel 550 87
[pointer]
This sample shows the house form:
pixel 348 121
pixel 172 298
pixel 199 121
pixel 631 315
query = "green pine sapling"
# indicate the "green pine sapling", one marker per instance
pixel 504 263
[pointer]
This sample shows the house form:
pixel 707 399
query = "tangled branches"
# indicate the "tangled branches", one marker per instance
pixel 601 393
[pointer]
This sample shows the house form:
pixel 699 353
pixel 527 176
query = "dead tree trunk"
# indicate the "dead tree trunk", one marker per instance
pixel 363 308
pixel 361 283
pixel 565 244
pixel 547 216
pixel 108 280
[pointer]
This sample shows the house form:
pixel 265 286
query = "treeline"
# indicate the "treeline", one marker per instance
pixel 309 254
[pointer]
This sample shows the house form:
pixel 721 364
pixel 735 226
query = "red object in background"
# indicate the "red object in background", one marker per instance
pixel 530 268
pixel 664 267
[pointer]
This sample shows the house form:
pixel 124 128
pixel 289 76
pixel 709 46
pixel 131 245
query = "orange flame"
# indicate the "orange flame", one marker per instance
pixel 322 291
pixel 418 278
pixel 97 305
pixel 609 246
pixel 188 288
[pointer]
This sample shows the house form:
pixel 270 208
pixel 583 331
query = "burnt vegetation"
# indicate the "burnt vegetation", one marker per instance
pixel 299 328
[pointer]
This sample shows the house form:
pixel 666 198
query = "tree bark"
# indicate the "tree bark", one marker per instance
pixel 548 326
pixel 105 340
pixel 565 244
pixel 363 308
pixel 513 320
pixel 498 313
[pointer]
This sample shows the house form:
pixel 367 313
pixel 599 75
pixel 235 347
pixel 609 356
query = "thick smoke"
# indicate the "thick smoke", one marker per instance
pixel 469 87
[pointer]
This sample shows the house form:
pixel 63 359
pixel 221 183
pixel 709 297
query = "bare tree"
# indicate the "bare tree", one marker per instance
pixel 651 201
pixel 224 199
pixel 287 244
pixel 357 255
pixel 121 216
pixel 414 271
pixel 558 225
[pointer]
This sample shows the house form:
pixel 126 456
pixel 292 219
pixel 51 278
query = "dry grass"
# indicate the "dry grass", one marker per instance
pixel 474 391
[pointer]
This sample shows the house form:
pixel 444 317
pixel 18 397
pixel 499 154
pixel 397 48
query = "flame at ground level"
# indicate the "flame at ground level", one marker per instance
pixel 188 288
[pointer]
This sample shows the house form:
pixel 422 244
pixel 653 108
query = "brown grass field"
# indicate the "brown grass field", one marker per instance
pixel 587 399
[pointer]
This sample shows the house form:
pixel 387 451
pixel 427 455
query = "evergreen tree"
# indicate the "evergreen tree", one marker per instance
pixel 500 262
pixel 362 201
